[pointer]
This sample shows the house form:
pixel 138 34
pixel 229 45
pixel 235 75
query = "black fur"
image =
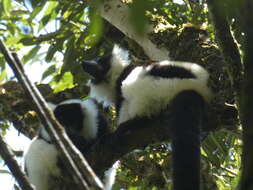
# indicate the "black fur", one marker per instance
pixel 170 71
pixel 185 125
pixel 103 127
pixel 122 77
pixel 97 68
pixel 70 116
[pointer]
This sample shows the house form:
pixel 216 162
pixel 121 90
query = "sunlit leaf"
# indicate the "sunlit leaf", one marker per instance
pixel 6 6
pixel 49 13
pixel 65 82
pixel 3 75
pixel 96 27
pixel 35 12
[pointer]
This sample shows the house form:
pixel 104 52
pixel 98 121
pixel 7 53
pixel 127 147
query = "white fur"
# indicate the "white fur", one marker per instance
pixel 109 176
pixel 90 128
pixel 120 59
pixel 44 134
pixel 41 163
pixel 145 95
pixel 90 112
pixel 51 105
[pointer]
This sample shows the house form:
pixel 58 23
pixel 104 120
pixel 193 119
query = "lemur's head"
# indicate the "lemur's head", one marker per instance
pixel 104 72
pixel 71 115
pixel 79 118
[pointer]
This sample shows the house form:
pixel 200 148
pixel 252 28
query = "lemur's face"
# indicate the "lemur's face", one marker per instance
pixel 70 116
pixel 98 68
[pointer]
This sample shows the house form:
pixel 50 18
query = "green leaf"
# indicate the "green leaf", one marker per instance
pixel 3 75
pixel 4 172
pixel 49 14
pixel 28 41
pixel 50 70
pixel 31 54
pixel 2 63
pixel 52 50
pixel 35 12
pixel 6 6
pixel 138 15
pixel 44 21
pixel 69 56
pixel 51 7
pixel 95 30
pixel 65 82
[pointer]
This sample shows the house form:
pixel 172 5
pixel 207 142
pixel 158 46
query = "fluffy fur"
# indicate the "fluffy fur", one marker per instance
pixel 145 94
pixel 90 112
pixel 42 162
pixel 142 91
pixel 105 92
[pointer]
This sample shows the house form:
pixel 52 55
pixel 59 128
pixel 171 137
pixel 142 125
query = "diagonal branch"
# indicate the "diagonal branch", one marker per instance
pixel 118 14
pixel 8 156
pixel 83 174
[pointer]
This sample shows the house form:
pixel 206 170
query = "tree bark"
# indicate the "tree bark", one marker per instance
pixel 246 182
pixel 117 13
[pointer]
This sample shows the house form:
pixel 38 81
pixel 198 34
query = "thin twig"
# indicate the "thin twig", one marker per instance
pixel 72 158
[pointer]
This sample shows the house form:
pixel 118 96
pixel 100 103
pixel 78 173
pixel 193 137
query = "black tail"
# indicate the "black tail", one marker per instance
pixel 185 123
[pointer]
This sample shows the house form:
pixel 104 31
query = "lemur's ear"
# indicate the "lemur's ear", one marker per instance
pixel 93 69
pixel 98 67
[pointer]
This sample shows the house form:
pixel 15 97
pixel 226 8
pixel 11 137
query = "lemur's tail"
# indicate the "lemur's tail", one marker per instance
pixel 185 127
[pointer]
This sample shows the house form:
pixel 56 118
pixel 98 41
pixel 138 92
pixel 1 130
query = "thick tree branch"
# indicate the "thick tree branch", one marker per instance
pixel 246 182
pixel 227 44
pixel 135 134
pixel 118 14
pixel 12 164
pixel 72 157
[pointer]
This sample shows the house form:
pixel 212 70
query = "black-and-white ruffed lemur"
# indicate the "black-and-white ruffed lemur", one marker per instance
pixel 84 124
pixel 143 91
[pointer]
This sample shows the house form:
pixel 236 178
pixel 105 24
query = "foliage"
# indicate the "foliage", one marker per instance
pixel 60 34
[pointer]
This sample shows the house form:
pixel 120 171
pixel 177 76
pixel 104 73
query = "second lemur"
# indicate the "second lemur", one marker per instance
pixel 84 124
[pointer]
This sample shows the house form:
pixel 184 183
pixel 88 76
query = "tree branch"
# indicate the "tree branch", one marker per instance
pixel 227 44
pixel 118 14
pixel 72 157
pixel 12 164
pixel 246 182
